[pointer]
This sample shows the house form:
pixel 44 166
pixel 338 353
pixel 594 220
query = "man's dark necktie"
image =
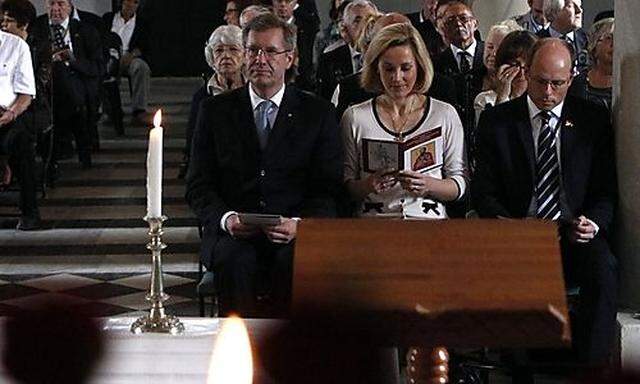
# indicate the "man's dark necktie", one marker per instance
pixel 548 172
pixel 465 62
pixel 58 37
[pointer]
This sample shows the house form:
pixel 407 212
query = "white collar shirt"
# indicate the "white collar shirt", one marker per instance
pixel 570 35
pixel 470 50
pixel 16 71
pixel 124 29
pixel 275 99
pixel 356 59
pixel 533 25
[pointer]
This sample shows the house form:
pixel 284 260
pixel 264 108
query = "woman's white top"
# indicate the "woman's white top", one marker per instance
pixel 446 146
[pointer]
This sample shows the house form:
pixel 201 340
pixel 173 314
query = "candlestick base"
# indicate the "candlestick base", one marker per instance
pixel 157 321
pixel 167 324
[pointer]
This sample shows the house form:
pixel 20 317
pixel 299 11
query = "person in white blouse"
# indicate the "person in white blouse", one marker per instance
pixel 17 90
pixel 397 65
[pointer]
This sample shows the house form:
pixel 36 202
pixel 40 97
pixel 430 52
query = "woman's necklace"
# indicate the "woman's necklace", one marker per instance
pixel 399 129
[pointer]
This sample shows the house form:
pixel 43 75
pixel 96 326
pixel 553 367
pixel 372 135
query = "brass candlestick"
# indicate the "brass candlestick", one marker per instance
pixel 157 321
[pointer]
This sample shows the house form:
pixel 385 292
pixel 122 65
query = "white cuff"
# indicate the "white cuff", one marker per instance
pixel 223 221
pixel 594 225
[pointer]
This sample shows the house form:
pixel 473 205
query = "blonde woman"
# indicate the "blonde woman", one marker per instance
pixel 398 68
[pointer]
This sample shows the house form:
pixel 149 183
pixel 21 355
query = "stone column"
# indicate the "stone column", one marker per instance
pixel 626 93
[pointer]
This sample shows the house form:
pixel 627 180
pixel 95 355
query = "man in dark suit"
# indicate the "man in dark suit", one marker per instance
pixel 533 21
pixel 263 148
pixel 462 60
pixel 345 59
pixel 425 22
pixel 549 156
pixel 565 17
pixel 307 22
pixel 133 32
pixel 76 61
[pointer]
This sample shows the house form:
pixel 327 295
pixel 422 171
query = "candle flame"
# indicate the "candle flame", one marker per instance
pixel 157 118
pixel 231 361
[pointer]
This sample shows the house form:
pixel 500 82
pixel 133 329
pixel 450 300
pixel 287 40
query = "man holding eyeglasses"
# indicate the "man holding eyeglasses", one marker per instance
pixel 549 156
pixel 264 148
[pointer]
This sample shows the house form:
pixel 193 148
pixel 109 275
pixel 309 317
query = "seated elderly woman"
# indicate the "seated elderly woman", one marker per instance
pixel 404 150
pixel 595 84
pixel 510 60
pixel 495 36
pixel 224 54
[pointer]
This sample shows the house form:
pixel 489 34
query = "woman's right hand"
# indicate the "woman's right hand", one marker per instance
pixel 381 181
pixel 504 77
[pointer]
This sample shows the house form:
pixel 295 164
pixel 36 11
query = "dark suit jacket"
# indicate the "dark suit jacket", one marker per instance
pixel 505 174
pixel 308 25
pixel 140 36
pixel 447 64
pixel 297 175
pixel 430 35
pixel 351 92
pixel 74 85
pixel 333 66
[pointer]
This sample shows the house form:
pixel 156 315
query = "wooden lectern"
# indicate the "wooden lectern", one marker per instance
pixel 459 283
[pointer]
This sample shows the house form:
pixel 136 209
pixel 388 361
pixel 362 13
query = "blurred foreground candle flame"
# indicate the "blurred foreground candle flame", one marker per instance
pixel 231 362
pixel 157 118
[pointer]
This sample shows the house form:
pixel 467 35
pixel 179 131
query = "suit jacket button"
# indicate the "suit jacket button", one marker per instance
pixel 262 172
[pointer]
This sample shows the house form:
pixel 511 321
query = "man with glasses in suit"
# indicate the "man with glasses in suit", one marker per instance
pixel 264 148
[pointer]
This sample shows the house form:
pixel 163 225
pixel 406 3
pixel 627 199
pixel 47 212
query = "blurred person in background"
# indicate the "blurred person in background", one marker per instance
pixel 596 83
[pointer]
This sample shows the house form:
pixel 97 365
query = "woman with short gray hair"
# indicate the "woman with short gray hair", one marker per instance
pixel 595 84
pixel 224 53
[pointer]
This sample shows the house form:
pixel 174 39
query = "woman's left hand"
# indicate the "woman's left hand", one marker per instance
pixel 415 183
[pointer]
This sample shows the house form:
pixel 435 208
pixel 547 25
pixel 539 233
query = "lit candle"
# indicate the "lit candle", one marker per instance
pixel 154 168
pixel 231 361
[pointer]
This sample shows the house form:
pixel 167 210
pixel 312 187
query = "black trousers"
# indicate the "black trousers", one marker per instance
pixel 243 266
pixel 593 268
pixel 19 144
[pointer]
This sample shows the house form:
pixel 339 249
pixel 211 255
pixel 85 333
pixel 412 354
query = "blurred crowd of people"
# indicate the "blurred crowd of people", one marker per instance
pixel 62 69
pixel 378 115
pixel 404 116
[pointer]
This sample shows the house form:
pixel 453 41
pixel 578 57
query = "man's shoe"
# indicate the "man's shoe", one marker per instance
pixel 28 223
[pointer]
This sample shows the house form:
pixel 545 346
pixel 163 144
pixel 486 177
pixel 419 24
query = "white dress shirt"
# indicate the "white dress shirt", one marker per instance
pixel 536 125
pixel 124 29
pixel 16 70
pixel 471 50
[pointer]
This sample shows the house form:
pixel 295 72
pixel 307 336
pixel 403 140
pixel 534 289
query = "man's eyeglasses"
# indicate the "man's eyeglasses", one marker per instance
pixel 555 84
pixel 463 19
pixel 268 53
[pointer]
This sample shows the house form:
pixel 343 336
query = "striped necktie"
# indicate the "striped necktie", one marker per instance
pixel 548 172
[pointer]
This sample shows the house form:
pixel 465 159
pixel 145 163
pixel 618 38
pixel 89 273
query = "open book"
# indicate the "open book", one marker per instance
pixel 421 153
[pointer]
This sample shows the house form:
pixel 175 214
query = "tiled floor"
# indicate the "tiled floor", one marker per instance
pixel 91 249
pixel 101 294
